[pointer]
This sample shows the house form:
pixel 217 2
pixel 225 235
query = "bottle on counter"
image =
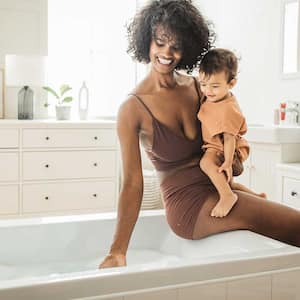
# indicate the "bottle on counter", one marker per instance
pixel 282 112
pixel 291 115
pixel 83 102
pixel 297 117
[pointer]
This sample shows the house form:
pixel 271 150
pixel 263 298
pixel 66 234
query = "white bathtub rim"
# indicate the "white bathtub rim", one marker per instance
pixel 75 284
pixel 31 221
pixel 136 269
pixel 286 253
pixel 190 284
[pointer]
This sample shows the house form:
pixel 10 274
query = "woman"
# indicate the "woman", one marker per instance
pixel 162 113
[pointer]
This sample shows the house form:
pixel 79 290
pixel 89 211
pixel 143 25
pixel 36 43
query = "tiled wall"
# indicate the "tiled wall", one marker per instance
pixel 276 286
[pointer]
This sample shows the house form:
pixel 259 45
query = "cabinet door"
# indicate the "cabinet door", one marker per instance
pixel 9 138
pixel 263 170
pixel 291 192
pixel 244 178
pixel 9 166
pixel 9 203
pixel 59 138
pixel 69 196
pixel 68 164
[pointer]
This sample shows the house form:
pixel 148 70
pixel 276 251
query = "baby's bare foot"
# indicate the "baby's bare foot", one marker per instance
pixel 224 206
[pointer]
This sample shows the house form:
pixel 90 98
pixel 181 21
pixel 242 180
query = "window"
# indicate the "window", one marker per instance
pixel 290 36
pixel 87 41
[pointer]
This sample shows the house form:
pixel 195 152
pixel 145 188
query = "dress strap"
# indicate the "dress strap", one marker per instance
pixel 197 89
pixel 142 102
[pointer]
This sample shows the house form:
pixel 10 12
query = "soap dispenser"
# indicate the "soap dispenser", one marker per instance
pixel 83 102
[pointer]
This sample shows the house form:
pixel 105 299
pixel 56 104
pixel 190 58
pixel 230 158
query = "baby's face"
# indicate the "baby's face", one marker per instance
pixel 215 87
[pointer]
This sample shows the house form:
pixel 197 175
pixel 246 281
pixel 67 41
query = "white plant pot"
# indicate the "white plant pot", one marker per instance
pixel 63 112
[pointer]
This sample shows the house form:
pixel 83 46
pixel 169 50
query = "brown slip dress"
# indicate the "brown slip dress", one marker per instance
pixel 185 190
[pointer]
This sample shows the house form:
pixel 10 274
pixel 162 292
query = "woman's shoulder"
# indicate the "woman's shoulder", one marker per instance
pixel 129 104
pixel 129 110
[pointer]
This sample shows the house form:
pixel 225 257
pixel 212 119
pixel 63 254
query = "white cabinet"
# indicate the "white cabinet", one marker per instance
pixel 53 167
pixel 55 138
pixel 64 196
pixel 70 164
pixel 9 138
pixel 9 199
pixel 260 168
pixel 9 171
pixel 288 184
pixel 9 163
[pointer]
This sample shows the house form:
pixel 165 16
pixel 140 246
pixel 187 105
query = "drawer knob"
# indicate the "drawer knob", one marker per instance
pixel 47 138
pixel 95 138
pixel 95 195
pixel 95 164
pixel 47 166
pixel 293 193
pixel 46 198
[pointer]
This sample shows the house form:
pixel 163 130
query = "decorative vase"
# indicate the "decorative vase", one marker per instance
pixel 63 112
pixel 25 103
pixel 83 102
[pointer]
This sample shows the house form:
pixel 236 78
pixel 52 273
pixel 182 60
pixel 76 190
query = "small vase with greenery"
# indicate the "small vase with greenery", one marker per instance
pixel 62 107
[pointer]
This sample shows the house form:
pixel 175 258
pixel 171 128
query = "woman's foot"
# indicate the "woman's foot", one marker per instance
pixel 224 206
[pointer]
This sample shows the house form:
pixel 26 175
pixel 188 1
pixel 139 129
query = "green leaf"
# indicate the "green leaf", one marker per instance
pixel 51 91
pixel 67 99
pixel 64 88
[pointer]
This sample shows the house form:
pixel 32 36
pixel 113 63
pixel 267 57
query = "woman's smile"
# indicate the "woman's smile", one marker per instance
pixel 164 61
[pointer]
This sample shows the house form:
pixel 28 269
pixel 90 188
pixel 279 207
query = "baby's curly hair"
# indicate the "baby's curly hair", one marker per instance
pixel 178 17
pixel 219 60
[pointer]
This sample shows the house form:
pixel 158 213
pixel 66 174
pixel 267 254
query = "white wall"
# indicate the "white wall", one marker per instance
pixel 23 30
pixel 253 29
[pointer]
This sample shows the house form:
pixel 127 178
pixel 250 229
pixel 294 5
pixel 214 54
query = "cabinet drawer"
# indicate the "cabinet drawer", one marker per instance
pixel 47 138
pixel 68 164
pixel 9 164
pixel 291 192
pixel 9 138
pixel 9 195
pixel 100 195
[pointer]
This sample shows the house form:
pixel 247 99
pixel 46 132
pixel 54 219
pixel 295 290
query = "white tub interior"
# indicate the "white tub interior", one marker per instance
pixel 56 246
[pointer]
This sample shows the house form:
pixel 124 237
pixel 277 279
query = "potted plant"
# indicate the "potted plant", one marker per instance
pixel 62 107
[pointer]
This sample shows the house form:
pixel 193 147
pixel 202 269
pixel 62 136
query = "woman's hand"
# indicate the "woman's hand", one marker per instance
pixel 227 168
pixel 113 260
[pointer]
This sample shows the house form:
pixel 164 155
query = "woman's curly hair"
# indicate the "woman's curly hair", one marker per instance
pixel 178 17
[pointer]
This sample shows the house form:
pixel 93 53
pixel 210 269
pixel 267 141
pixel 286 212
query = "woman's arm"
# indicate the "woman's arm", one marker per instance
pixel 229 148
pixel 132 185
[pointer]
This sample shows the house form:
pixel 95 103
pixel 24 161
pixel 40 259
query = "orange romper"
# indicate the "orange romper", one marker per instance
pixel 223 117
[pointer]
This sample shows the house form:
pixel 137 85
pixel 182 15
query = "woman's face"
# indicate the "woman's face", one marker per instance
pixel 165 52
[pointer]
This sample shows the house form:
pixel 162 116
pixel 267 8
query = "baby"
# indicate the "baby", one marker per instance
pixel 222 128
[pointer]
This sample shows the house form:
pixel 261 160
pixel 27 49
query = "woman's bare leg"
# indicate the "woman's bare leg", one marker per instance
pixel 268 218
pixel 209 164
pixel 241 187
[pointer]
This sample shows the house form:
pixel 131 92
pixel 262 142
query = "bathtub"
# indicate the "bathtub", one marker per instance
pixel 57 258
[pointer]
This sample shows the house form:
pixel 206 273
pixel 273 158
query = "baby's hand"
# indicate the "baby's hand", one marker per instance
pixel 227 168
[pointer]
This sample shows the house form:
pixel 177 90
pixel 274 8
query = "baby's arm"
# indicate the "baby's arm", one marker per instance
pixel 229 148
